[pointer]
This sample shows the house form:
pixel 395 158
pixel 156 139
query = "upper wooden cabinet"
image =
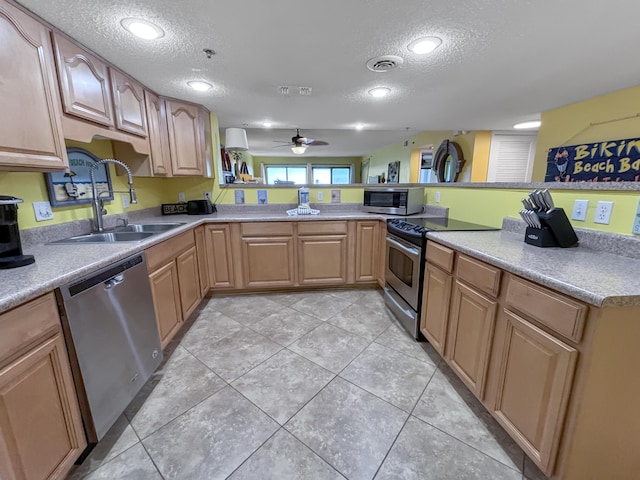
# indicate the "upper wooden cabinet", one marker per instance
pixel 84 82
pixel 158 134
pixel 30 129
pixel 128 99
pixel 186 138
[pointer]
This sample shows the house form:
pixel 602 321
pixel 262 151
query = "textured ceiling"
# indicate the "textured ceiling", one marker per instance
pixel 501 61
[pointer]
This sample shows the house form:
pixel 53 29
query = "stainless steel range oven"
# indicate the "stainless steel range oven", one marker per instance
pixel 404 273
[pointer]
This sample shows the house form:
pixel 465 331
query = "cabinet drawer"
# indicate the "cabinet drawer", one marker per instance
pixel 440 255
pixel 267 229
pixel 561 314
pixel 161 253
pixel 482 276
pixel 322 228
pixel 27 323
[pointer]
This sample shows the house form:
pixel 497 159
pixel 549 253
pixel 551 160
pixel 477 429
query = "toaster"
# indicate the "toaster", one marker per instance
pixel 200 207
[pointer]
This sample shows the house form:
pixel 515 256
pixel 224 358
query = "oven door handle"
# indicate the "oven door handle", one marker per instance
pixel 414 252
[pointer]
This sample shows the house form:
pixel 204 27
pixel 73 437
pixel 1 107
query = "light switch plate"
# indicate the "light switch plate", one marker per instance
pixel 580 210
pixel 181 197
pixel 42 211
pixel 437 197
pixel 335 196
pixel 603 213
pixel 125 201
pixel 320 196
pixel 636 221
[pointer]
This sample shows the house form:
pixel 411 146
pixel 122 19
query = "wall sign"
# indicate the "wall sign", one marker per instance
pixel 609 161
pixel 74 187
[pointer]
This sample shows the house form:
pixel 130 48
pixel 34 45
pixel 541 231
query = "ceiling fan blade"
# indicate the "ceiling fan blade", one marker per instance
pixel 283 145
pixel 281 141
pixel 317 143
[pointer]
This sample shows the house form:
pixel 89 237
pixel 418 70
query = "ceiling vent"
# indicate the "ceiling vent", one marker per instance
pixel 384 63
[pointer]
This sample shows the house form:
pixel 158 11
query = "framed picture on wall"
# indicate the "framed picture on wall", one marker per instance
pixel 74 187
pixel 393 172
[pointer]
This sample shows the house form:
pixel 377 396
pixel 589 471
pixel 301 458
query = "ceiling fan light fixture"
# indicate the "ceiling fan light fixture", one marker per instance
pixel 199 85
pixel 379 92
pixel 298 149
pixel 425 45
pixel 527 125
pixel 267 124
pixel 359 126
pixel 142 28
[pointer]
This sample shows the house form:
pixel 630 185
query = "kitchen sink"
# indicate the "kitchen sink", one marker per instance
pixel 149 227
pixel 108 237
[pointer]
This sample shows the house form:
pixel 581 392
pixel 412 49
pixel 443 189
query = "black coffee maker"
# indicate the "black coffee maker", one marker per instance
pixel 10 247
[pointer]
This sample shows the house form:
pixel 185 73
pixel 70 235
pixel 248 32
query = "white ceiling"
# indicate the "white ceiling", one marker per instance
pixel 501 61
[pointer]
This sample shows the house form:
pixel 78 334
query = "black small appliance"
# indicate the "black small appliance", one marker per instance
pixel 10 247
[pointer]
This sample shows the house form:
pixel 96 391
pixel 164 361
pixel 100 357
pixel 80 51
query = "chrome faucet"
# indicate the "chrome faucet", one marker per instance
pixel 98 203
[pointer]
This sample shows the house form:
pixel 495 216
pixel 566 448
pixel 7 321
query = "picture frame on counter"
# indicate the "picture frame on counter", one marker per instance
pixel 74 187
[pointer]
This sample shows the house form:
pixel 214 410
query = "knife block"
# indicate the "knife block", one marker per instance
pixel 556 231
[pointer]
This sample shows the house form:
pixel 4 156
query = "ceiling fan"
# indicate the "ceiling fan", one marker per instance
pixel 299 143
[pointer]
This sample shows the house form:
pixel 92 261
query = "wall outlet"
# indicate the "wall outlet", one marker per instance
pixel 42 211
pixel 320 196
pixel 636 221
pixel 207 196
pixel 580 210
pixel 437 197
pixel 181 197
pixel 603 212
pixel 125 201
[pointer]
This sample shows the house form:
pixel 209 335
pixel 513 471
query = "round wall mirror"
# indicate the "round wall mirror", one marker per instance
pixel 448 161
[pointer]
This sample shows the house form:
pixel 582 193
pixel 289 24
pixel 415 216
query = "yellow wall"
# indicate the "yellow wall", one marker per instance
pixel 481 149
pixel 286 195
pixel 608 117
pixel 489 206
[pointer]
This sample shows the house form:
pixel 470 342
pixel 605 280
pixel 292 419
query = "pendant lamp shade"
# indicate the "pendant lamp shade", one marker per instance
pixel 236 140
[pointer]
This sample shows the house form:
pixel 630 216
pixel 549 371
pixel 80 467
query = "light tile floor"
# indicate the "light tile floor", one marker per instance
pixel 322 385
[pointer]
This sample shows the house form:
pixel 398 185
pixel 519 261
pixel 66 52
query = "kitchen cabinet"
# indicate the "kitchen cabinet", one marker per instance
pixel 267 254
pixel 159 152
pixel 173 274
pixel 219 253
pixel 85 85
pixel 41 432
pixel 129 103
pixel 203 262
pixel 436 296
pixel 535 375
pixel 31 136
pixel 322 253
pixel 185 127
pixel 367 249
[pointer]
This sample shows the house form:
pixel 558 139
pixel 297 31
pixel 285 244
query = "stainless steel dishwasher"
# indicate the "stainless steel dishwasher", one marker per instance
pixel 113 339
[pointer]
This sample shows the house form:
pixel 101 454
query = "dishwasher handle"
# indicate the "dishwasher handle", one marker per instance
pixel 108 276
pixel 112 282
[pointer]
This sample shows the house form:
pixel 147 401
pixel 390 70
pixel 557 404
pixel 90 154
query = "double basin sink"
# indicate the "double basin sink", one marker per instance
pixel 128 233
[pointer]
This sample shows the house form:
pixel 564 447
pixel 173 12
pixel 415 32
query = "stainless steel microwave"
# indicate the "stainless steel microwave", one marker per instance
pixel 394 200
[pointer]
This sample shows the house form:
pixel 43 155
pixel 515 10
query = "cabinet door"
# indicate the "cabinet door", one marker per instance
pixel 128 100
pixel 470 334
pixel 166 300
pixel 367 251
pixel 187 263
pixel 435 306
pixel 322 260
pixel 268 262
pixel 158 134
pixel 208 169
pixel 534 384
pixel 30 129
pixel 41 432
pixel 84 82
pixel 203 265
pixel 185 141
pixel 218 239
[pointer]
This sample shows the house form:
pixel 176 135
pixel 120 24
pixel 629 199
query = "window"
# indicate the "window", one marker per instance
pixel 331 175
pixel 278 174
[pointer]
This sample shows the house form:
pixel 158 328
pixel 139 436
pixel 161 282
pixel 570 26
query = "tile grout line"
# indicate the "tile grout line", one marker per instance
pixel 255 451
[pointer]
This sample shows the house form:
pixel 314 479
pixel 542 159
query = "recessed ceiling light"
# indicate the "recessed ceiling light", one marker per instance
pixel 199 86
pixel 267 124
pixel 525 125
pixel 424 45
pixel 359 126
pixel 379 92
pixel 142 28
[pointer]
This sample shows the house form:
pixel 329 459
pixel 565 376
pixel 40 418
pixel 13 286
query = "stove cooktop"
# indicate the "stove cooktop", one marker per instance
pixel 414 229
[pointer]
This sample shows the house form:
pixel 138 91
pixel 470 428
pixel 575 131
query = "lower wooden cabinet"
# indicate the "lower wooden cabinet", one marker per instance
pixel 188 276
pixel 268 262
pixel 322 260
pixel 436 296
pixel 534 382
pixel 367 251
pixel 166 300
pixel 203 262
pixel 218 244
pixel 41 432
